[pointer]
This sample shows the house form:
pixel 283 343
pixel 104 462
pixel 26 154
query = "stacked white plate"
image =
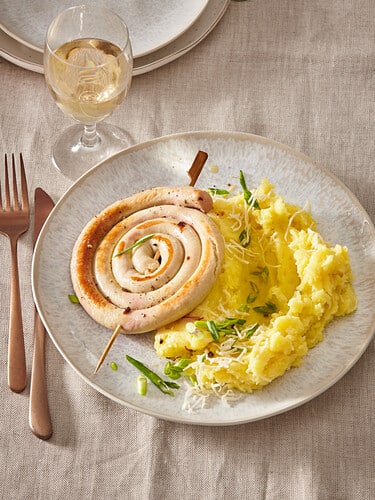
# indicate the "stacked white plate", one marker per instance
pixel 160 31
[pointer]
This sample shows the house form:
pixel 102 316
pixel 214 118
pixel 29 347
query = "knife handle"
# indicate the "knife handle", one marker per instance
pixel 39 415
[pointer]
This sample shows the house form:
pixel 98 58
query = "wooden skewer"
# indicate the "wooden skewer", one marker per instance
pixel 196 167
pixel 107 348
pixel 193 173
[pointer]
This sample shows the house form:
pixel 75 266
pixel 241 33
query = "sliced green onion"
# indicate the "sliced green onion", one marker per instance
pixel 114 366
pixel 268 308
pixel 73 298
pixel 201 324
pixel 136 244
pixel 142 385
pixel 163 385
pixel 231 322
pixel 170 371
pixel 214 190
pixel 174 370
pixel 253 293
pixel 212 328
pixel 252 330
pixel 263 273
pixel 244 308
pixel 251 298
pixel 173 385
pixel 220 327
pixel 181 363
pixel 245 238
pixel 248 196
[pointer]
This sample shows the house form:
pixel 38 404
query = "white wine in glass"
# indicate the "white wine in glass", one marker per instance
pixel 88 66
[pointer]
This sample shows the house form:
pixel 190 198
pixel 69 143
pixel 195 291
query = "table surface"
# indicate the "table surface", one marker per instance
pixel 297 71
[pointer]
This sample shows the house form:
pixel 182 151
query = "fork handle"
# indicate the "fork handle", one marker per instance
pixel 16 347
pixel 39 415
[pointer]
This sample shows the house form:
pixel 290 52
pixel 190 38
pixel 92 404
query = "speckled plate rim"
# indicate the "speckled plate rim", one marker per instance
pixel 151 26
pixel 32 60
pixel 252 410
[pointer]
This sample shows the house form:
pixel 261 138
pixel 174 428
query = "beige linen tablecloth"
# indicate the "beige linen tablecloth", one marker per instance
pixel 297 71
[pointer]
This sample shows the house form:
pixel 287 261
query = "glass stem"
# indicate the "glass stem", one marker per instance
pixel 90 136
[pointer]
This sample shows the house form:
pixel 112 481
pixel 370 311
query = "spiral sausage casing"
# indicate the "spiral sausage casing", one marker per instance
pixel 159 281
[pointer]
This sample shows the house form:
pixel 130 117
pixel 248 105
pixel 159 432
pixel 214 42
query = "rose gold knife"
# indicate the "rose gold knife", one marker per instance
pixel 39 415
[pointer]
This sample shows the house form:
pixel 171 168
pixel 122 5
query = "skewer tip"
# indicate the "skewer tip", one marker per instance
pixel 107 348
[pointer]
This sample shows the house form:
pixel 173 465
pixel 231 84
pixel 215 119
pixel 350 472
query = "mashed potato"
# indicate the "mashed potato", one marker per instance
pixel 280 285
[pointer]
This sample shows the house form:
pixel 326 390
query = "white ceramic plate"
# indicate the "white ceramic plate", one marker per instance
pixel 152 23
pixel 28 58
pixel 165 161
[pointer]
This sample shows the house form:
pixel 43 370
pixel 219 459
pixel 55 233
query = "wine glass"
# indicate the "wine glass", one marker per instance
pixel 88 65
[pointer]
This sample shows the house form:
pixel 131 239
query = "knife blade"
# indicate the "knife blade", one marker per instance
pixel 39 414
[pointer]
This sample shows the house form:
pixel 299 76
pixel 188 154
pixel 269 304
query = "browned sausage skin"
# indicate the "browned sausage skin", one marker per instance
pixel 159 281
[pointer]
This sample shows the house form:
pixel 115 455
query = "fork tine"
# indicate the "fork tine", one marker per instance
pixel 24 191
pixel 6 187
pixel 15 221
pixel 16 201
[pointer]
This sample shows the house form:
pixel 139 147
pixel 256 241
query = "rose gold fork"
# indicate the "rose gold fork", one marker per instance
pixel 14 221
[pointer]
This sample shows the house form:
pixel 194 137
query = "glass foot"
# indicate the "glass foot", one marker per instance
pixel 73 159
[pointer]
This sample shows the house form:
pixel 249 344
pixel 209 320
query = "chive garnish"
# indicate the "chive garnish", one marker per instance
pixel 254 291
pixel 73 298
pixel 218 328
pixel 174 370
pixel 201 324
pixel 163 385
pixel 244 308
pixel 252 330
pixel 212 328
pixel 268 308
pixel 248 196
pixel 263 273
pixel 245 238
pixel 134 245
pixel 231 322
pixel 214 190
